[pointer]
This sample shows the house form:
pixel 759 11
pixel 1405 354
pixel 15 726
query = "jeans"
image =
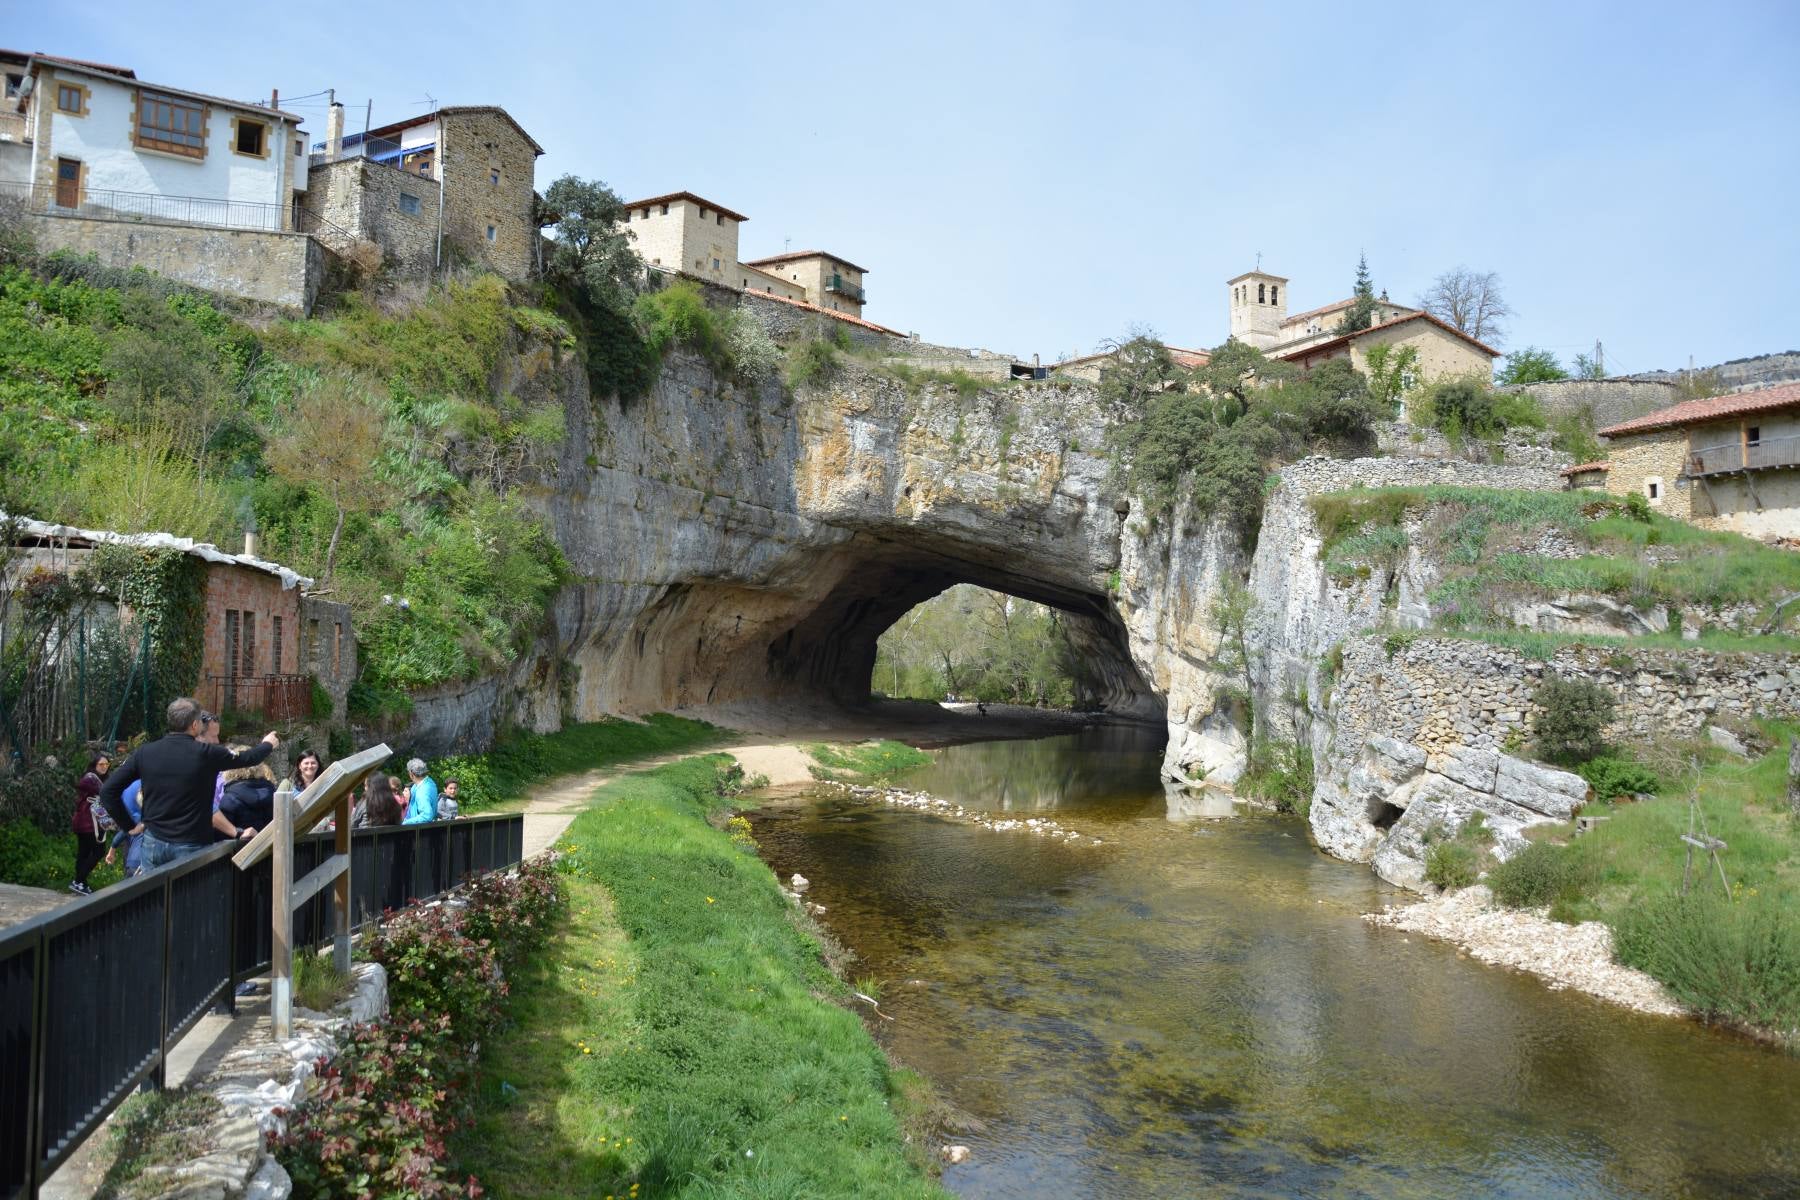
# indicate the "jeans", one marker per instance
pixel 159 853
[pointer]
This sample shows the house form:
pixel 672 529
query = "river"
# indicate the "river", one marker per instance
pixel 1194 1007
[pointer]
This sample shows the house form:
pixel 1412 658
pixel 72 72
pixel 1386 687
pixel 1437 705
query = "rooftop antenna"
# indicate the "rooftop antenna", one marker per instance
pixel 787 243
pixel 1259 260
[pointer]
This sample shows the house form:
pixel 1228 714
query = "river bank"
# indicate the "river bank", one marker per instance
pixel 1564 956
pixel 682 1035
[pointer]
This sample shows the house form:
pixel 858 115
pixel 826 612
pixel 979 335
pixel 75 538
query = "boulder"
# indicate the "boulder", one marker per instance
pixel 1726 740
pixel 1541 789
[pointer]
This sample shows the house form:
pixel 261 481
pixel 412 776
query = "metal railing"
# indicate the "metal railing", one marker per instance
pixel 270 697
pixel 93 995
pixel 1761 454
pixel 151 207
pixel 844 287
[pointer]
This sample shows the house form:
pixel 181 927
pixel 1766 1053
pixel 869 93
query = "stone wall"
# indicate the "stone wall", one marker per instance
pixel 282 269
pixel 489 167
pixel 361 200
pixel 1602 401
pixel 1517 447
pixel 327 648
pixel 789 323
pixel 1435 719
pixel 1659 457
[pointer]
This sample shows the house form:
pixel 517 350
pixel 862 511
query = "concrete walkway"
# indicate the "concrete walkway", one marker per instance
pixel 19 903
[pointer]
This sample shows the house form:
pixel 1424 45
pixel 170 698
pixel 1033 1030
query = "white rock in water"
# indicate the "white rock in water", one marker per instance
pixel 955 1154
pixel 799 882
pixel 1726 740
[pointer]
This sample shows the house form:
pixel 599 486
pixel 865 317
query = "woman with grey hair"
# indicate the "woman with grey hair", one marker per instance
pixel 421 796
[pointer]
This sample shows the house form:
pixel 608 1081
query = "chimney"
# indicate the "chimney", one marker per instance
pixel 250 543
pixel 274 97
pixel 334 132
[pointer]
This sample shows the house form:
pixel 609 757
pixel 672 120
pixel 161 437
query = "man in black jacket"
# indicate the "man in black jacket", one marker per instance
pixel 179 774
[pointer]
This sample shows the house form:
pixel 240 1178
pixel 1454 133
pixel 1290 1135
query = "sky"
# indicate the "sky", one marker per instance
pixel 1038 178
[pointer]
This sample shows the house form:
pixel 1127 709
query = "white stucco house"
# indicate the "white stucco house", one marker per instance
pixel 104 143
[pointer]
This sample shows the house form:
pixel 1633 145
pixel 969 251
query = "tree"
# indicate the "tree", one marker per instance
pixel 1589 368
pixel 332 438
pixel 1471 301
pixel 1233 611
pixel 592 247
pixel 1361 313
pixel 1393 372
pixel 1529 365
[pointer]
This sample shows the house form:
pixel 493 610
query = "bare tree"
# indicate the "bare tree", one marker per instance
pixel 332 438
pixel 1471 301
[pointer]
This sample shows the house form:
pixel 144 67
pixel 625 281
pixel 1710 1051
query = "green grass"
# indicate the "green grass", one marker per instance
pixel 864 763
pixel 1364 528
pixel 1543 646
pixel 521 760
pixel 154 1133
pixel 680 1035
pixel 318 984
pixel 1735 959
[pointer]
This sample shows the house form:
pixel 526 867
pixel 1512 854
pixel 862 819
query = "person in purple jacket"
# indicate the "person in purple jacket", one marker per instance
pixel 90 839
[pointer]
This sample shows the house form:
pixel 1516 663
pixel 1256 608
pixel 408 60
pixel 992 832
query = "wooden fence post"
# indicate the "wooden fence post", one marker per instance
pixel 281 954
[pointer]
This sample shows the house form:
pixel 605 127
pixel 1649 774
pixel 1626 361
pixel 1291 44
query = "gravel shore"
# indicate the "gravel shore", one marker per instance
pixel 1564 956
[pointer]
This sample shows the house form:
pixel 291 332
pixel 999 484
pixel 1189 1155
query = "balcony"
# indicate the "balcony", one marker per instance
pixel 1761 455
pixel 150 207
pixel 843 287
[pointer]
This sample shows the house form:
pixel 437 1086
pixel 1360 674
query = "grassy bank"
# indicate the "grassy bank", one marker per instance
pixel 678 1038
pixel 1734 958
pixel 521 760
pixel 868 762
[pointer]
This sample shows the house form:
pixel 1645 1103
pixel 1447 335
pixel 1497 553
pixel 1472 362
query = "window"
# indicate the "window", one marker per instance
pixel 175 126
pixel 490 233
pixel 425 168
pixel 72 99
pixel 1753 435
pixel 232 641
pixel 275 646
pixel 646 214
pixel 249 659
pixel 310 658
pixel 494 178
pixel 1261 292
pixel 665 210
pixel 249 138
pixel 1653 490
pixel 409 204
pixel 1274 294
pixel 299 145
pixel 13 84
pixel 716 264
pixel 721 220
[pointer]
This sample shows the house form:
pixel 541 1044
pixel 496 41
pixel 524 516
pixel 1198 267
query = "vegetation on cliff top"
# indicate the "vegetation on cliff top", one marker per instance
pixel 1489 541
pixel 678 1039
pixel 1202 440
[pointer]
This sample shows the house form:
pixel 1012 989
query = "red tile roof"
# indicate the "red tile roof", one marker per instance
pixel 1709 408
pixel 1183 358
pixel 1578 468
pixel 1319 312
pixel 700 200
pixel 796 255
pixel 1308 351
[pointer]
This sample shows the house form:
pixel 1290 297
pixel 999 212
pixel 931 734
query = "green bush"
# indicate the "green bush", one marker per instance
pixel 1451 864
pixel 1610 777
pixel 1281 773
pixel 1575 712
pixel 1542 874
pixel 678 316
pixel 42 796
pixel 1737 961
pixel 810 362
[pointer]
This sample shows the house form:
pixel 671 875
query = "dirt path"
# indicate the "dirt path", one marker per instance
pixel 554 807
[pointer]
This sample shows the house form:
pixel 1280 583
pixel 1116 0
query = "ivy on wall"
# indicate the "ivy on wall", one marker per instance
pixel 166 592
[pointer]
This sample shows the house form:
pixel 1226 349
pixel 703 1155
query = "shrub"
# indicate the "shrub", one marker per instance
pixel 1610 777
pixel 810 362
pixel 1451 864
pixel 1738 961
pixel 678 316
pixel 1280 773
pixel 754 354
pixel 1574 713
pixel 1540 874
pixel 41 796
pixel 379 1122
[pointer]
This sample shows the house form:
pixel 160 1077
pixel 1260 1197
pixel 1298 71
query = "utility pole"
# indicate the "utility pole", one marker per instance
pixel 1600 358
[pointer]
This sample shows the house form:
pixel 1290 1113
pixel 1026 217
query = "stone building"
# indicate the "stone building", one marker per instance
pixel 825 279
pixel 1258 303
pixel 1720 462
pixel 459 181
pixel 1088 367
pixel 265 641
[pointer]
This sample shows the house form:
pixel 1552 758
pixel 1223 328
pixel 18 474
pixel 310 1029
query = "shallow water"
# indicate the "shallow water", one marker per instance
pixel 1194 1007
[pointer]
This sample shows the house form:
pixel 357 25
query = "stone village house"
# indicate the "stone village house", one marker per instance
pixel 685 234
pixel 266 639
pixel 1720 462
pixel 461 180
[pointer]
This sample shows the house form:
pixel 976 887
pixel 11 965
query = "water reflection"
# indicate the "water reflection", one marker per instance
pixel 1197 1009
